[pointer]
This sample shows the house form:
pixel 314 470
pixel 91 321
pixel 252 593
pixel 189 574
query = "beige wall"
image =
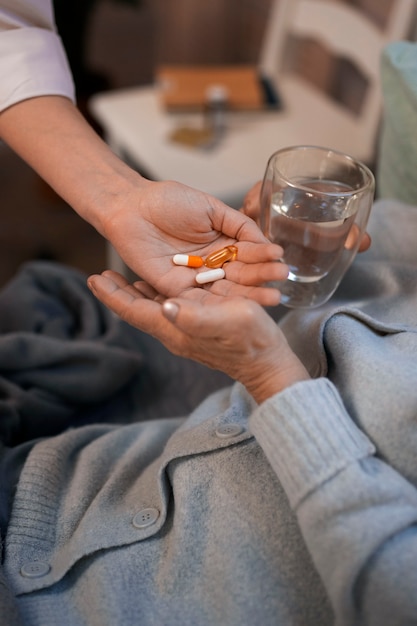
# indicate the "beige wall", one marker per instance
pixel 128 43
pixel 214 31
pixel 224 30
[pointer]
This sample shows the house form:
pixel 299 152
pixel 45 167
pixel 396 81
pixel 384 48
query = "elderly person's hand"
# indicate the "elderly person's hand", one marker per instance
pixel 234 335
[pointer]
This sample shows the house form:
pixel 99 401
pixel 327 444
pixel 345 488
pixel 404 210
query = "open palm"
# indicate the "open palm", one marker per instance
pixel 167 218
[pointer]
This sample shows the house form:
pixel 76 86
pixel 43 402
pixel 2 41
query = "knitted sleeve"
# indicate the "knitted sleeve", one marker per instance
pixel 357 514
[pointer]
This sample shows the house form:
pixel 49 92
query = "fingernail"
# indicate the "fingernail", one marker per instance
pixel 170 310
pixel 90 284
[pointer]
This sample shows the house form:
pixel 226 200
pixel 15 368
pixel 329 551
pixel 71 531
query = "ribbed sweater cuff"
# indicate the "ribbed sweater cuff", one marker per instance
pixel 308 436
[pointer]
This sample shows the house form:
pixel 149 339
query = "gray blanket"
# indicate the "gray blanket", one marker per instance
pixel 65 360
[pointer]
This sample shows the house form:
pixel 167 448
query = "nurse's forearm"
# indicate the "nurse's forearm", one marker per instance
pixel 53 137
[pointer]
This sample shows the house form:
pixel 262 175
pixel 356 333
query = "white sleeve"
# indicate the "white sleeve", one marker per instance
pixel 32 58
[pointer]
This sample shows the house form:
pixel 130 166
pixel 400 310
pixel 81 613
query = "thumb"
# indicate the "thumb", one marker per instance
pixel 202 320
pixel 223 319
pixel 191 317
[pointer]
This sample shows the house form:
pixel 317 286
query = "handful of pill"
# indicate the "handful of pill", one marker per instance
pixel 214 261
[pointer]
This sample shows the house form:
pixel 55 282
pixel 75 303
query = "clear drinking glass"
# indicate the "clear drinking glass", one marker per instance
pixel 315 203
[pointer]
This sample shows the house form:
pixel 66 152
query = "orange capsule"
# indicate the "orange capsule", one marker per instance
pixel 218 258
pixel 187 260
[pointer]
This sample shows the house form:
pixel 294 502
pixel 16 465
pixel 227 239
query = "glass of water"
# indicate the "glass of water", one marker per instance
pixel 315 203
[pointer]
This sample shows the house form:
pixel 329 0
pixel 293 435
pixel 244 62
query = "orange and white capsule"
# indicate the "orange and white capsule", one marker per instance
pixel 218 258
pixel 188 260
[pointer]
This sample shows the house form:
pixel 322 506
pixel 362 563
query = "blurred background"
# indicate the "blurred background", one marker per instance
pixel 113 44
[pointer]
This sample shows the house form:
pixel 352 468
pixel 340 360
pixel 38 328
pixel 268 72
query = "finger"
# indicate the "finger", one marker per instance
pixel 259 264
pixel 146 290
pixel 112 281
pixel 265 296
pixel 251 205
pixel 238 226
pixel 244 252
pixel 365 243
pixel 255 253
pixel 215 322
pixel 352 239
pixel 256 273
pixel 125 300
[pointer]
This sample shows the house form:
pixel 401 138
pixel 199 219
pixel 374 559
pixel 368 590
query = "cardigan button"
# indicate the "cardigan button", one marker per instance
pixel 225 431
pixel 145 518
pixel 35 569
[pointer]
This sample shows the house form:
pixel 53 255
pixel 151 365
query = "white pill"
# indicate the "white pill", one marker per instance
pixel 210 276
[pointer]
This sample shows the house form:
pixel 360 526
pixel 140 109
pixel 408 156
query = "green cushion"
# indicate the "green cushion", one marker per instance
pixel 396 174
